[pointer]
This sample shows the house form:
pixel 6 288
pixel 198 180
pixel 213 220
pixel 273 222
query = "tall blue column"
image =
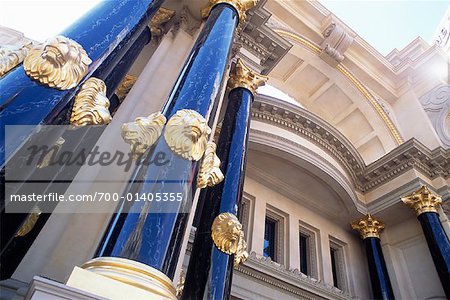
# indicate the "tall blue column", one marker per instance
pixel 105 33
pixel 151 232
pixel 369 229
pixel 425 203
pixel 210 269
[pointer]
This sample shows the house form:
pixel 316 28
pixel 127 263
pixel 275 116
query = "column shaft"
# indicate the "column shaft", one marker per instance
pixel 152 233
pixel 210 270
pixel 439 246
pixel 379 277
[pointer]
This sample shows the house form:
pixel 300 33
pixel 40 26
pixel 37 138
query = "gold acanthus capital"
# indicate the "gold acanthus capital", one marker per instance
pixel 91 106
pixel 241 7
pixel 422 201
pixel 59 63
pixel 368 227
pixel 163 15
pixel 243 76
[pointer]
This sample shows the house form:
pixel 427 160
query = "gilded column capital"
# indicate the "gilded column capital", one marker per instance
pixel 241 7
pixel 422 200
pixel 368 227
pixel 59 63
pixel 163 15
pixel 243 76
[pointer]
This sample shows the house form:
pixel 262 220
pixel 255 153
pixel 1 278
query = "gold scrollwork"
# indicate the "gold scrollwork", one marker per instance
pixel 91 104
pixel 368 227
pixel 187 133
pixel 241 7
pixel 29 223
pixel 210 173
pixel 228 236
pixel 59 63
pixel 143 132
pixel 422 201
pixel 10 57
pixel 243 76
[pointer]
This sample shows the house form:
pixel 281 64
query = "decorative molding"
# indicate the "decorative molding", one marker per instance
pixel 10 57
pixel 91 105
pixel 263 269
pixel 59 63
pixel 411 155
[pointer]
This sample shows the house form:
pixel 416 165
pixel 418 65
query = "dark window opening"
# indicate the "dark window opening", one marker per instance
pixel 334 267
pixel 270 238
pixel 304 257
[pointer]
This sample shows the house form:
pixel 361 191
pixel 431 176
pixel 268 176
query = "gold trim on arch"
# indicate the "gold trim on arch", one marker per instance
pixel 358 84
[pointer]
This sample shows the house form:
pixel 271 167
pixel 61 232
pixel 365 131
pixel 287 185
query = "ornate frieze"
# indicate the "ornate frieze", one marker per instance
pixel 244 77
pixel 368 227
pixel 91 104
pixel 59 63
pixel 187 134
pixel 10 57
pixel 209 173
pixel 143 132
pixel 410 155
pixel 422 201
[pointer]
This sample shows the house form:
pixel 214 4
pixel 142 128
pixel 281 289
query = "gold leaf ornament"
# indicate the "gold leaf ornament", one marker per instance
pixel 91 104
pixel 187 133
pixel 10 57
pixel 58 63
pixel 29 223
pixel 209 173
pixel 143 132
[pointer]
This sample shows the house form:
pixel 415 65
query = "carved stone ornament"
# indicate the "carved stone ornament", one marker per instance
pixel 337 39
pixel 228 236
pixel 91 105
pixel 29 223
pixel 143 132
pixel 58 63
pixel 10 57
pixel 163 15
pixel 187 133
pixel 368 227
pixel 244 77
pixel 210 173
pixel 241 7
pixel 422 201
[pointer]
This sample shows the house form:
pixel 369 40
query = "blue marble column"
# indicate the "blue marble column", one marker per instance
pixel 369 229
pixel 106 33
pixel 210 270
pixel 425 203
pixel 152 232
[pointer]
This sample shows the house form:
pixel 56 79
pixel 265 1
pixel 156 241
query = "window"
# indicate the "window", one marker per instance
pixel 338 264
pixel 304 254
pixel 270 238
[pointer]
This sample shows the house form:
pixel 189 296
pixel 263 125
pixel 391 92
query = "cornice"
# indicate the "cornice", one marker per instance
pixel 288 280
pixel 411 155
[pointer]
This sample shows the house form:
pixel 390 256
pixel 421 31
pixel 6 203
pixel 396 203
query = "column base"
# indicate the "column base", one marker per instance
pixel 121 278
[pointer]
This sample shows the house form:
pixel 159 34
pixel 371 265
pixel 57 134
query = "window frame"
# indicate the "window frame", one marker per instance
pixel 340 263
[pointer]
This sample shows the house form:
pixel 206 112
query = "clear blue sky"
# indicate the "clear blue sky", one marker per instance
pixel 384 24
pixel 390 24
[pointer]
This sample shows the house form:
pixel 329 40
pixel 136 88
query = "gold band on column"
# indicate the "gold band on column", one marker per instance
pixel 243 76
pixel 133 273
pixel 241 7
pixel 422 201
pixel 368 227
